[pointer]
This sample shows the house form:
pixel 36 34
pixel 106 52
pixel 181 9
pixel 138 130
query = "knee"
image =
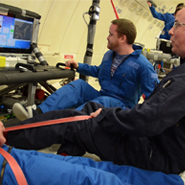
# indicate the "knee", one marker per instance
pixel 78 82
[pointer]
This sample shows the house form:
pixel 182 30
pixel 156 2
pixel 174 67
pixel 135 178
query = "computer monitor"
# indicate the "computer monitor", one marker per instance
pixel 15 34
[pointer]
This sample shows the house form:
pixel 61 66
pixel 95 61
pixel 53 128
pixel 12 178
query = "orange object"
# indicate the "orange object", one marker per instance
pixel 48 122
pixel 39 94
pixel 19 175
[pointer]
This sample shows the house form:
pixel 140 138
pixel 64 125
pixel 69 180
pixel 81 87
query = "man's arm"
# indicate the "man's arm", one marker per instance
pixel 73 63
pixel 88 70
pixel 149 3
pixel 2 138
pixel 83 68
pixel 157 15
pixel 93 70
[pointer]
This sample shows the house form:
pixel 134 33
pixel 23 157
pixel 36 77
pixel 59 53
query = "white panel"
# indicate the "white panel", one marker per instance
pixel 56 25
pixel 76 34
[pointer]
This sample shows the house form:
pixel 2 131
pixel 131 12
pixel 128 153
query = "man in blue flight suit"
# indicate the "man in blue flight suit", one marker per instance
pixel 150 136
pixel 124 75
pixel 168 19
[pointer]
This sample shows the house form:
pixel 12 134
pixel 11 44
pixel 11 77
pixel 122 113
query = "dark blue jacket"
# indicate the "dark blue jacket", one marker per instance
pixel 160 119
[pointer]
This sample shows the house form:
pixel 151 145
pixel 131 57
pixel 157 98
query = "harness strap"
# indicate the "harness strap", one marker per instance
pixel 19 175
pixel 48 122
pixel 3 167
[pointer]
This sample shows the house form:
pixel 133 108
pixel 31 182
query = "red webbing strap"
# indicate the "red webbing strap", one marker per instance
pixel 19 175
pixel 49 122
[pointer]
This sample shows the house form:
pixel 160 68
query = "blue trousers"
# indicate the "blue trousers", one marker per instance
pixel 40 168
pixel 75 95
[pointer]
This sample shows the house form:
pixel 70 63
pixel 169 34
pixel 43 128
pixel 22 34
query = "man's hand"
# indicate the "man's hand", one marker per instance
pixel 2 138
pixel 149 3
pixel 96 113
pixel 73 63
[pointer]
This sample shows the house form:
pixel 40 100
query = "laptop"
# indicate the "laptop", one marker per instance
pixel 16 33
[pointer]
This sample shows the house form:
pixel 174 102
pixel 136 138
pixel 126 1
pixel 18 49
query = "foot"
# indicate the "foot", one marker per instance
pixel 22 112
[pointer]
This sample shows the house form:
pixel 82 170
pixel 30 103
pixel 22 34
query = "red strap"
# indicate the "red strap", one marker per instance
pixel 114 9
pixel 49 122
pixel 19 175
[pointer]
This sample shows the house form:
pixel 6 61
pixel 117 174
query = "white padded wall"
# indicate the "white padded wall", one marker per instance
pixel 64 32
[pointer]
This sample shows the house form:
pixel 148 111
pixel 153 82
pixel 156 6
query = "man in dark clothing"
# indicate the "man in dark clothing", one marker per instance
pixel 150 136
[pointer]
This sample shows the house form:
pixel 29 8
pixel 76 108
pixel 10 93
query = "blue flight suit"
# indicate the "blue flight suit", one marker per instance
pixel 133 77
pixel 50 169
pixel 168 19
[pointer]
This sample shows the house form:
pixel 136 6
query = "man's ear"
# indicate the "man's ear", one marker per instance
pixel 123 38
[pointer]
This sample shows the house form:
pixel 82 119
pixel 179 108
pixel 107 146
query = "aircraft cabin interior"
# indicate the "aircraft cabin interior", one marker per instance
pixel 38 37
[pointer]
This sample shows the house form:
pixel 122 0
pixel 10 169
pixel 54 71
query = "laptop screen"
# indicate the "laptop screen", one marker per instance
pixel 15 34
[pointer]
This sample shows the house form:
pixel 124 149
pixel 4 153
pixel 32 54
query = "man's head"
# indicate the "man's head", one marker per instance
pixel 121 30
pixel 125 27
pixel 177 33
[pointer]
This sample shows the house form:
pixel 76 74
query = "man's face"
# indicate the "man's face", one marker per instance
pixel 178 35
pixel 113 39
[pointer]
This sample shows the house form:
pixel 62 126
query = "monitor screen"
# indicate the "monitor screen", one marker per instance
pixel 15 34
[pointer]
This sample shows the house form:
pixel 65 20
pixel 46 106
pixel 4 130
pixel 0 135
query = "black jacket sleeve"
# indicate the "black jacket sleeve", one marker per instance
pixel 163 108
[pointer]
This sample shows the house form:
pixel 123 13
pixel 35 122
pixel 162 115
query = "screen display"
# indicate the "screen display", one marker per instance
pixel 15 34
